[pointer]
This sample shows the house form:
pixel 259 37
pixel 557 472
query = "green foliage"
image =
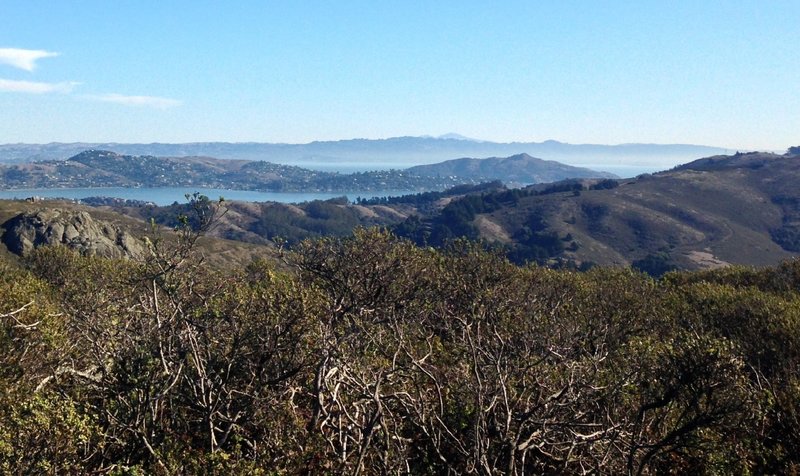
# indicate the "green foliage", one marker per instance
pixel 533 243
pixel 45 434
pixel 787 236
pixel 595 213
pixel 31 333
pixel 455 220
pixel 783 279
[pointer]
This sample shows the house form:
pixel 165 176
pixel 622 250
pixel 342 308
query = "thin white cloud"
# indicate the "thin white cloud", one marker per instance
pixel 140 101
pixel 33 87
pixel 23 59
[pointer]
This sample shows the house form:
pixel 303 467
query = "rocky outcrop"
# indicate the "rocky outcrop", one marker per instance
pixel 76 230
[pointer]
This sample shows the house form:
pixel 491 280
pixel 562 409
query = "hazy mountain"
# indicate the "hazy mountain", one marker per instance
pixel 456 136
pixel 397 152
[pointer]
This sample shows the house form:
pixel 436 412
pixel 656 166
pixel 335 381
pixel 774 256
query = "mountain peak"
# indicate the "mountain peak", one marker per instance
pixel 456 136
pixel 522 156
pixel 94 154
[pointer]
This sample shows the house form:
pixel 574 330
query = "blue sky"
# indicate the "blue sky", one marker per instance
pixel 722 73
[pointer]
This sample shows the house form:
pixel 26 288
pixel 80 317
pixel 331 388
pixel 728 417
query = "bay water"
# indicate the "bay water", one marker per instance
pixel 170 195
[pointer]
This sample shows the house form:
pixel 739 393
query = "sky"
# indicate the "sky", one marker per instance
pixel 721 73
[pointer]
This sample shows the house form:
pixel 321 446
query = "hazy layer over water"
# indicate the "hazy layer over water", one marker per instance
pixel 169 195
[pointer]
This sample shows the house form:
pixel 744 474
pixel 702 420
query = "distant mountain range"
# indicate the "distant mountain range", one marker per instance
pixel 397 152
pixel 736 209
pixel 99 168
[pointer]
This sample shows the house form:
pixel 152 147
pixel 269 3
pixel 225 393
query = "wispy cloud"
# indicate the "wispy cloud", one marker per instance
pixel 33 87
pixel 26 59
pixel 23 59
pixel 140 101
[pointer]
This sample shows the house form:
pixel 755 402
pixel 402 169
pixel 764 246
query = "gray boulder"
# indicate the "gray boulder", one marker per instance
pixel 75 230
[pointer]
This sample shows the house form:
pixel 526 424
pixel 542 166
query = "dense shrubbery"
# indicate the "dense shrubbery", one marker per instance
pixel 605 184
pixel 654 264
pixel 426 198
pixel 369 355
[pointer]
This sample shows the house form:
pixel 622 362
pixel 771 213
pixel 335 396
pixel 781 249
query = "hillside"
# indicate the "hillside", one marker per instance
pixel 100 168
pixel 357 354
pixel 739 209
pixel 262 223
pixel 724 209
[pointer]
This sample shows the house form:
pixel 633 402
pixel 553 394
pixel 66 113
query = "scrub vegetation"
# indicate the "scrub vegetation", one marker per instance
pixel 370 355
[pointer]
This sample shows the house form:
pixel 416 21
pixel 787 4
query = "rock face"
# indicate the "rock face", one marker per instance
pixel 76 230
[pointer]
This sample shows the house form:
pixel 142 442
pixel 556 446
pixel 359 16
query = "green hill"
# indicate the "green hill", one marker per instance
pixel 516 170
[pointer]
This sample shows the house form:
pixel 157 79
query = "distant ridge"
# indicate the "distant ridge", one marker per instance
pixel 398 152
pixel 102 168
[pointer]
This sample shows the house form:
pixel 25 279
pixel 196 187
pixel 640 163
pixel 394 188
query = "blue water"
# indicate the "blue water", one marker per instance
pixel 169 195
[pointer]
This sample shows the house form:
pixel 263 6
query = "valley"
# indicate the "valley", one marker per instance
pixel 739 209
